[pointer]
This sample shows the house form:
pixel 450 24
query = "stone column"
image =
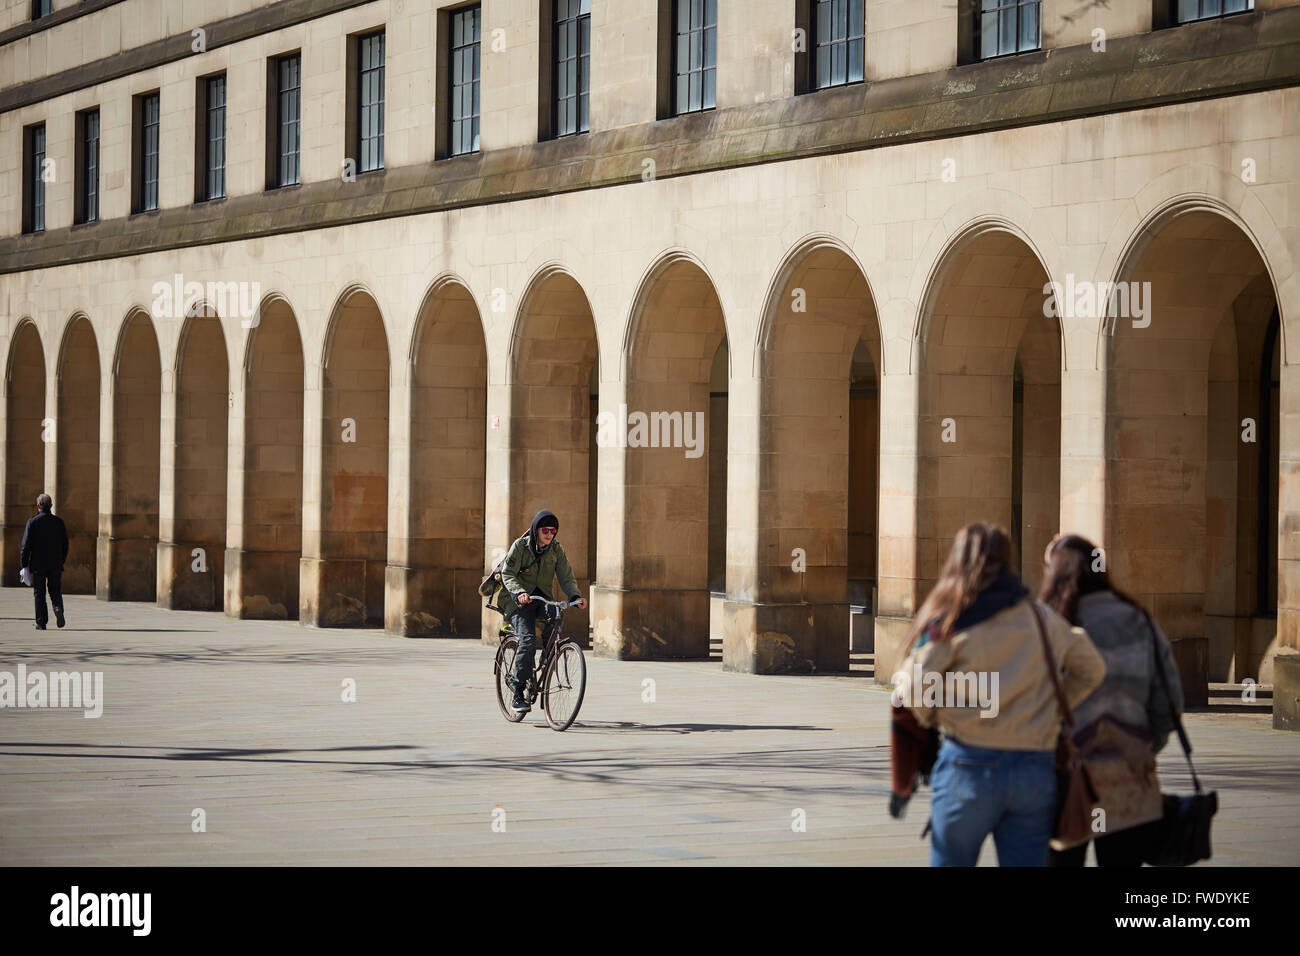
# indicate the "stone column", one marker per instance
pixel 1286 665
pixel 498 522
pixel 173 563
pixel 898 588
pixel 311 584
pixel 236 463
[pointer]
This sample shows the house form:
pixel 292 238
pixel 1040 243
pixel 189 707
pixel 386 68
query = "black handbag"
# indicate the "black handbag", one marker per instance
pixel 1181 836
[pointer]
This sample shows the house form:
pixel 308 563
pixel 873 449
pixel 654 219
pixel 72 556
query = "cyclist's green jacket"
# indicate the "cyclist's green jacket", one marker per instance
pixel 526 571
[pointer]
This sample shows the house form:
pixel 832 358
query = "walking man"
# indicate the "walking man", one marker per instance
pixel 45 548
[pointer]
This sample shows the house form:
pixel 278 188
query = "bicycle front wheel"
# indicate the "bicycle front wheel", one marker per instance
pixel 505 666
pixel 566 682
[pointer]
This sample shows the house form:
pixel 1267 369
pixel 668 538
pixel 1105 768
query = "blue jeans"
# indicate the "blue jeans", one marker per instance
pixel 978 791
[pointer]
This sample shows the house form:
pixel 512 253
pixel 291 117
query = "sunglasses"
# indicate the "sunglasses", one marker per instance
pixel 547 530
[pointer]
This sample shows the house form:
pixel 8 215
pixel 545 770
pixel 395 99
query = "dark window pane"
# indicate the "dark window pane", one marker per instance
pixel 1029 27
pixel 370 102
pixel 289 130
pixel 464 93
pixel 1007 32
pixel 988 35
pixel 570 69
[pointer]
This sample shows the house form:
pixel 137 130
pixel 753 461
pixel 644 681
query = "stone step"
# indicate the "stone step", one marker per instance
pixel 1262 691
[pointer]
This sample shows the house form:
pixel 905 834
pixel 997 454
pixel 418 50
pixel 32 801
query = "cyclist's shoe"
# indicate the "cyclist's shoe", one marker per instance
pixel 519 705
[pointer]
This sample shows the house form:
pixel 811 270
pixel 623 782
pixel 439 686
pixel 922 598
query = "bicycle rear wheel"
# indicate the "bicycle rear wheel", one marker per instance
pixel 566 682
pixel 505 667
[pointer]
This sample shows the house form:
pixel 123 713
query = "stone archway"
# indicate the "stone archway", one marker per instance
pixel 655 601
pixel 192 526
pixel 343 582
pixel 433 583
pixel 788 601
pixel 77 462
pixel 1185 473
pixel 24 444
pixel 127 559
pixel 262 560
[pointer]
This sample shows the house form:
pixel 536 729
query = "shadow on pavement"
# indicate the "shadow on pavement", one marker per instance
pixel 854 770
pixel 599 726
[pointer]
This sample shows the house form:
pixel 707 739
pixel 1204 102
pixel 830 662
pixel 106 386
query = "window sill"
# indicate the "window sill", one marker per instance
pixel 822 89
pixel 1006 56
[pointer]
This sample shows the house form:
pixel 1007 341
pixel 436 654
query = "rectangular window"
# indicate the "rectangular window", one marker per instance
pixel 695 55
pixel 1186 11
pixel 41 8
pixel 466 63
pixel 87 161
pixel 146 149
pixel 210 141
pixel 840 31
pixel 572 45
pixel 370 102
pixel 288 90
pixel 1005 27
pixel 34 178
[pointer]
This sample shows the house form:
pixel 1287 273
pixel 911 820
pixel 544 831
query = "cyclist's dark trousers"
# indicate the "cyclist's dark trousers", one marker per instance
pixel 523 624
pixel 53 580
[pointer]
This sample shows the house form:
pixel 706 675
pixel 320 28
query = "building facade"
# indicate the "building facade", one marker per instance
pixel 309 305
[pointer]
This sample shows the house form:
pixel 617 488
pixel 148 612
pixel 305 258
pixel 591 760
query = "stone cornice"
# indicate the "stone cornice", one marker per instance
pixel 53 20
pixel 243 26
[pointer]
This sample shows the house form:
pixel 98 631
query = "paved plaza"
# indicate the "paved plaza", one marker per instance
pixel 246 721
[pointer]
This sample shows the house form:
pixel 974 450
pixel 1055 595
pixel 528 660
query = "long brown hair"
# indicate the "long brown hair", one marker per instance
pixel 1075 567
pixel 978 555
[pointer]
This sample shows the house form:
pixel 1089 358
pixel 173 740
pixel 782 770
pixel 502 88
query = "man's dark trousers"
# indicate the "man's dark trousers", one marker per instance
pixel 54 580
pixel 523 625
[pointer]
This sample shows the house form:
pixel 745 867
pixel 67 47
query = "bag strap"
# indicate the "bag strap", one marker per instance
pixel 1067 718
pixel 1164 685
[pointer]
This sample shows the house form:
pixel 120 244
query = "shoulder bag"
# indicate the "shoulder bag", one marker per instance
pixel 1181 836
pixel 1075 795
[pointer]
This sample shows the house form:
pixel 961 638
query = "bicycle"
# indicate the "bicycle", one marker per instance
pixel 560 673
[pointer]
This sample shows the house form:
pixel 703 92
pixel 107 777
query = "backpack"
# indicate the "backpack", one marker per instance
pixel 491 582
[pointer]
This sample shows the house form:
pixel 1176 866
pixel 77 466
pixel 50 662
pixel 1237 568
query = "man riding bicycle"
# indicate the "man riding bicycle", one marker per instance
pixel 532 563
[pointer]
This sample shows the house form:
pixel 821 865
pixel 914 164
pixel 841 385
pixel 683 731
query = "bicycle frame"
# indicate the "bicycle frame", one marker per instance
pixel 552 637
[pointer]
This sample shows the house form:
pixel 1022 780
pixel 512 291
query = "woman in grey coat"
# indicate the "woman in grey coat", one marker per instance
pixel 1078 588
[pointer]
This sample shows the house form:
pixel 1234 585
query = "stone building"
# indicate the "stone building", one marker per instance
pixel 309 305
